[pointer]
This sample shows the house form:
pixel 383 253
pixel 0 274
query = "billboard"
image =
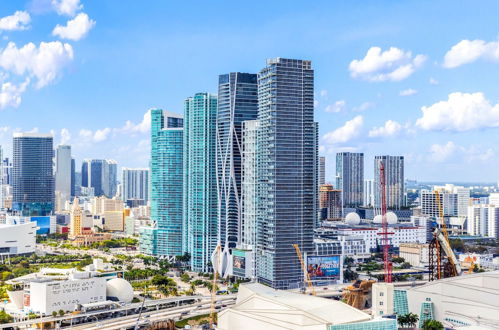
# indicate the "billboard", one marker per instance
pixel 43 224
pixel 322 267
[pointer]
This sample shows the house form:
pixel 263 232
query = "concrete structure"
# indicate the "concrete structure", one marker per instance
pixel 382 299
pixel 454 201
pixel 394 181
pixel 135 184
pixel 75 224
pixel 64 175
pixel 17 238
pixel 415 253
pixel 260 307
pixel 350 177
pixel 287 166
pixel 368 199
pixel 322 170
pixel 101 175
pixel 237 102
pixel 329 203
pixel 483 220
pixel 200 216
pixel 32 174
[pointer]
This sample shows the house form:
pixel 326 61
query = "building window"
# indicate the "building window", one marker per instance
pixel 381 294
pixel 381 303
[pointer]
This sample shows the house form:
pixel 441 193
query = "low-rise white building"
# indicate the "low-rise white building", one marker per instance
pixel 414 253
pixel 17 238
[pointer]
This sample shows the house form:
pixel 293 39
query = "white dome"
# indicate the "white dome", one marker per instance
pixel 119 289
pixel 391 218
pixel 352 218
pixel 378 219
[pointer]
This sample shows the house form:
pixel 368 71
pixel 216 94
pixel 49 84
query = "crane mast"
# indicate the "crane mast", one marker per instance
pixel 304 269
pixel 384 233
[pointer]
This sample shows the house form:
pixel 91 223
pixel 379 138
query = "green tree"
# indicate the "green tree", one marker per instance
pixel 432 325
pixel 54 314
pixel 5 318
pixel 61 312
pixel 412 319
pixel 398 260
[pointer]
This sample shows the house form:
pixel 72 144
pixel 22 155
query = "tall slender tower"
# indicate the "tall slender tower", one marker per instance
pixel 63 173
pixel 32 175
pixel 200 179
pixel 394 181
pixel 75 219
pixel 167 136
pixel 287 161
pixel 350 178
pixel 237 102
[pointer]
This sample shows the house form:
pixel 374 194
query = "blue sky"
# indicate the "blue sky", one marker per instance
pixel 412 78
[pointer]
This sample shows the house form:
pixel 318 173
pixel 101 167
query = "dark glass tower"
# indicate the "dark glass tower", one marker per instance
pixel 237 102
pixel 350 178
pixel 287 166
pixel 32 175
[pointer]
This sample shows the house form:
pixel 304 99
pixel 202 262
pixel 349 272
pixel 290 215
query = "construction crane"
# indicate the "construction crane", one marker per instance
pixel 216 267
pixel 440 243
pixel 385 240
pixel 304 269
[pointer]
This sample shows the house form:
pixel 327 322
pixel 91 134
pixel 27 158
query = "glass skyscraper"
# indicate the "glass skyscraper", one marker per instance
pixel 100 174
pixel 32 174
pixel 200 181
pixel 166 182
pixel 287 166
pixel 350 178
pixel 64 177
pixel 394 181
pixel 237 102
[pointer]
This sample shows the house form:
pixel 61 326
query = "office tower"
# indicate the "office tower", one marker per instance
pixel 200 180
pixel 7 170
pixel 330 202
pixel 394 181
pixel 287 163
pixel 322 171
pixel 73 177
pixel 249 188
pixel 75 219
pixel 32 175
pixel 167 136
pixel 135 184
pixel 350 178
pixel 63 173
pixel 237 102
pixel 368 193
pixel 77 183
pixel 101 175
pixel 1 179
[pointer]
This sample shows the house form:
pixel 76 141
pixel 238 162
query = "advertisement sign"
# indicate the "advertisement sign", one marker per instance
pixel 320 267
pixel 239 259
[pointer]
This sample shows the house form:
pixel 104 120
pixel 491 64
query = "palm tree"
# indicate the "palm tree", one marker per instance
pixel 412 319
pixel 432 325
pixel 402 320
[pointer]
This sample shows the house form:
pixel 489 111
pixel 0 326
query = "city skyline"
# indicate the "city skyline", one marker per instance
pixel 357 96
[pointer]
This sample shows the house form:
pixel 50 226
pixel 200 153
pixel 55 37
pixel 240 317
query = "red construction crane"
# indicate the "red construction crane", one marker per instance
pixel 385 241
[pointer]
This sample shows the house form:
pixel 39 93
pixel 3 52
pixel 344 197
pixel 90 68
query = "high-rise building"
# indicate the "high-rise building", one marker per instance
pixel 135 184
pixel 200 179
pixel 249 189
pixel 394 181
pixel 32 174
pixel 167 136
pixel 64 177
pixel 483 220
pixel 454 201
pixel 101 175
pixel 330 202
pixel 287 164
pixel 7 170
pixel 350 178
pixel 322 170
pixel 237 102
pixel 368 192
pixel 2 179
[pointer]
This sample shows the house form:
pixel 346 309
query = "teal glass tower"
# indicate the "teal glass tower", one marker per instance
pixel 166 183
pixel 200 181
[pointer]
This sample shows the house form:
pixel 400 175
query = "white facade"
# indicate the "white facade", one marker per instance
pixel 17 238
pixel 46 297
pixel 415 254
pixel 454 201
pixel 382 299
pixel 63 171
pixel 483 220
pixel 368 199
pixel 135 184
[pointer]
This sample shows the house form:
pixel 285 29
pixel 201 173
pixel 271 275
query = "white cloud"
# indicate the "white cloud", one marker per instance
pixel 323 93
pixel 363 107
pixel 391 128
pixel 345 133
pixel 316 103
pixel 44 62
pixel 143 127
pixel 65 136
pixel 460 112
pixel 440 153
pixel 408 92
pixel 75 29
pixel 101 134
pixel 467 51
pixel 10 94
pixel 393 64
pixel 67 7
pixel 336 107
pixel 433 81
pixel 17 21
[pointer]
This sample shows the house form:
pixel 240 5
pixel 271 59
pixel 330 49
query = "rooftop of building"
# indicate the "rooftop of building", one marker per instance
pixel 32 135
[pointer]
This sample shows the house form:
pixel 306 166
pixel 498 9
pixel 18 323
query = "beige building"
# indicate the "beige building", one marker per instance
pixel 415 253
pixel 75 220
pixel 103 204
